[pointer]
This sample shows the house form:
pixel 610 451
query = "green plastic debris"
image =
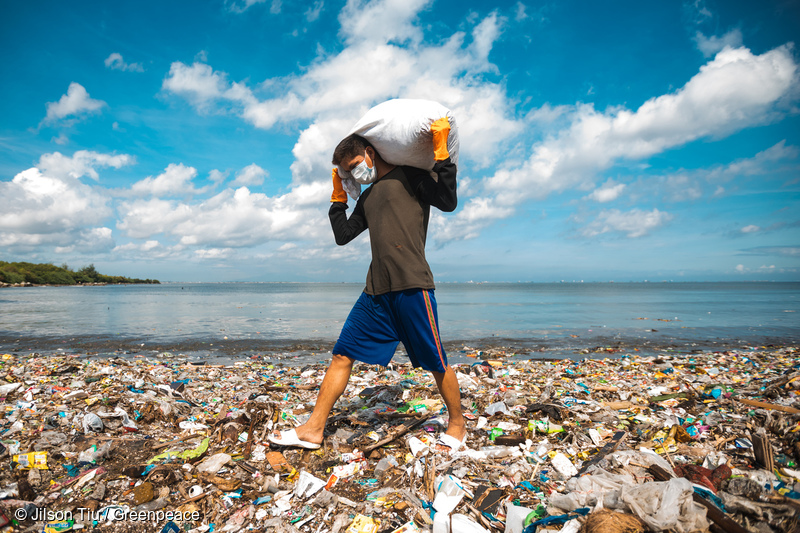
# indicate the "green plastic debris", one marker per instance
pixel 185 455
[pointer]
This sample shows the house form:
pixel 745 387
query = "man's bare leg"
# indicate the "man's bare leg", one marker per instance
pixel 451 393
pixel 333 385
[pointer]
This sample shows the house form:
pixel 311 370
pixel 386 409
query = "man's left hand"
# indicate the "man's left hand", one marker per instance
pixel 440 130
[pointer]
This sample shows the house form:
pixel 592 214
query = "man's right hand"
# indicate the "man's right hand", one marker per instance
pixel 338 190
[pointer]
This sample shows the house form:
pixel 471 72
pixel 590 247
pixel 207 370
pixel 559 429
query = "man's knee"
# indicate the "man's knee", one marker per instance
pixel 341 360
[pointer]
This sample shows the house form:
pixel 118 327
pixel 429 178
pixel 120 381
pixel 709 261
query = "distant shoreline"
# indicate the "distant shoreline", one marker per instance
pixel 97 284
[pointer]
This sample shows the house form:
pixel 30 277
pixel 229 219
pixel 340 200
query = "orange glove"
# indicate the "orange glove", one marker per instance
pixel 338 191
pixel 440 130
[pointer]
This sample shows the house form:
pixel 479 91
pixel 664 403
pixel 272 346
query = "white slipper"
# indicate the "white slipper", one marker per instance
pixel 451 442
pixel 290 438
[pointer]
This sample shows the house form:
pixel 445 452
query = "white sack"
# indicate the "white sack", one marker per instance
pixel 400 130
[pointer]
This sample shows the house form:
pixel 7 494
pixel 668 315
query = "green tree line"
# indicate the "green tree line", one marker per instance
pixel 48 274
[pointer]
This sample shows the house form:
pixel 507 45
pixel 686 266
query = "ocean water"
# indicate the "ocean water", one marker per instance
pixel 548 317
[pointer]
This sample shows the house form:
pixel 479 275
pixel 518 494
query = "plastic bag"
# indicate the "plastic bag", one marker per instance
pixel 666 505
pixel 600 490
pixel 92 423
pixel 448 495
pixel 400 130
pixel 456 523
pixel 515 517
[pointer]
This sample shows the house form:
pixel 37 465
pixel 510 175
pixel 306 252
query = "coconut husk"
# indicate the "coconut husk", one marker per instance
pixel 606 521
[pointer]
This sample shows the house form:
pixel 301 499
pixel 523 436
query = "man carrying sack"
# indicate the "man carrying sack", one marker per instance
pixel 398 303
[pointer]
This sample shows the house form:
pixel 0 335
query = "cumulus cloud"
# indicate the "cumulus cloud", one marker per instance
pixel 395 18
pixel 115 62
pixel 89 241
pixel 608 192
pixel 151 249
pixel 82 163
pixel 249 176
pixel 231 219
pixel 197 83
pixel 452 72
pixel 76 102
pixel 174 181
pixel 711 45
pixel 634 223
pixel 214 253
pixel 49 205
pixel 735 90
pixel 217 176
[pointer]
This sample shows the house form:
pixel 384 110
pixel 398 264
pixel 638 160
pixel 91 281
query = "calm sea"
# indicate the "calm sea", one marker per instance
pixel 545 317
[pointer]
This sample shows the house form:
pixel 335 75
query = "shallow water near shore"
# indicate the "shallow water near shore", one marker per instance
pixel 298 322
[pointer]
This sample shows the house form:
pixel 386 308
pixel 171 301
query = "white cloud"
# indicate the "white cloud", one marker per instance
pixel 62 139
pixel 451 72
pixel 175 180
pixel 763 162
pixel 520 14
pixel 240 6
pixel 214 253
pixel 249 176
pixel 751 229
pixel 681 188
pixel 82 163
pixel 735 90
pixel 384 21
pixel 634 223
pixel 199 83
pixel 313 12
pixel 608 192
pixel 231 219
pixel 49 205
pixel 115 62
pixel 77 101
pixel 90 240
pixel 711 45
pixel 693 184
pixel 217 176
pixel 44 209
pixel 697 11
pixel 150 249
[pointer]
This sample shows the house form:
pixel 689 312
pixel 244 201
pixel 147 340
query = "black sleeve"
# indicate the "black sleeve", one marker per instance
pixel 439 193
pixel 346 229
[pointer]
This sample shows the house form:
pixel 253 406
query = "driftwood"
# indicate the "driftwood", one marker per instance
pixel 765 405
pixel 395 434
pixel 176 441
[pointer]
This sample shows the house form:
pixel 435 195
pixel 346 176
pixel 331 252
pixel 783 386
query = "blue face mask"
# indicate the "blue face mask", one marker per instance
pixel 362 173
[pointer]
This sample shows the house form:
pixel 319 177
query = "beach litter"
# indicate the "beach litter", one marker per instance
pixel 679 442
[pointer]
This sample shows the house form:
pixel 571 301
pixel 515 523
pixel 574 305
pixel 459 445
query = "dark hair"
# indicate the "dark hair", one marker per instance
pixel 349 147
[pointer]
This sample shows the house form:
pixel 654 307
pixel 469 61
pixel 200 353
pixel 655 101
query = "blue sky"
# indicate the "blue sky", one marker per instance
pixel 191 141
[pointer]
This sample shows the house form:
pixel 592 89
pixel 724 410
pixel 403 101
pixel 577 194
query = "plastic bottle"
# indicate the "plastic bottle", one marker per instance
pixel 385 464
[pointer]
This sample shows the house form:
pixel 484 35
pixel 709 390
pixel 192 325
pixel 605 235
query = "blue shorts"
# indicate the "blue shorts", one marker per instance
pixel 376 325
